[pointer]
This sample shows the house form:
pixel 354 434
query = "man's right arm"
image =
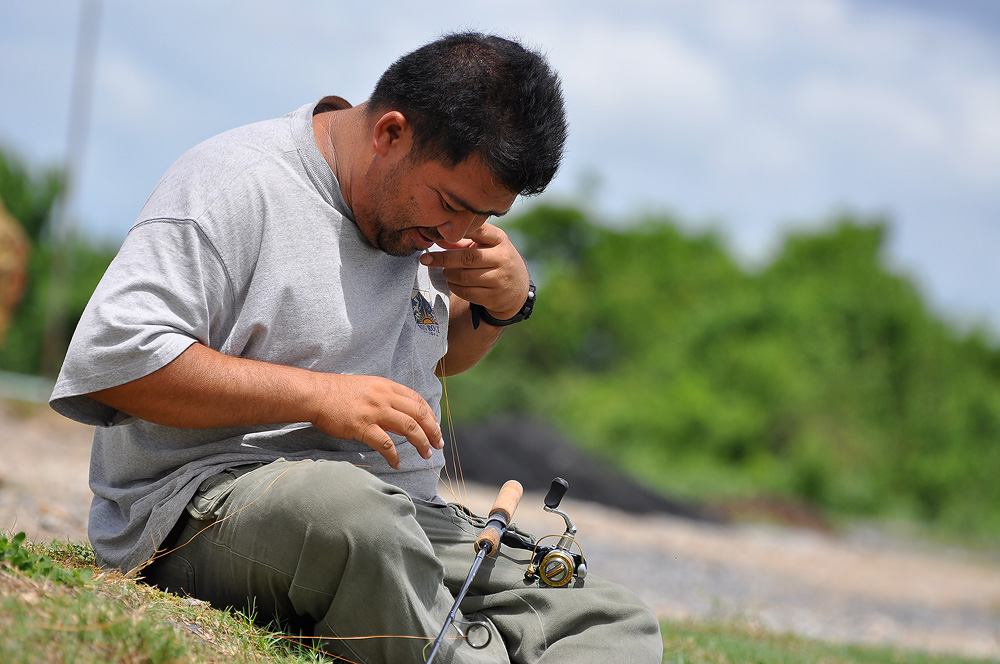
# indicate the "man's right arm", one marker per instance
pixel 203 388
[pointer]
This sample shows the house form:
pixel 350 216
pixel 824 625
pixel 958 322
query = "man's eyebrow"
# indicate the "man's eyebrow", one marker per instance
pixel 465 206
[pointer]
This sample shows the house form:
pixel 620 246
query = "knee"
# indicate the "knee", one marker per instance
pixel 647 631
pixel 619 626
pixel 638 627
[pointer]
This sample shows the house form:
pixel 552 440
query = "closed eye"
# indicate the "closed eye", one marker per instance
pixel 465 207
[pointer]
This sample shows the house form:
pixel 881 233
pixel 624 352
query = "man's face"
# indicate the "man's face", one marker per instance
pixel 414 205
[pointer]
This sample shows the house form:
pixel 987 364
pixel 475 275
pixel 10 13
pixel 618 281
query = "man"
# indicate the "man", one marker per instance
pixel 261 362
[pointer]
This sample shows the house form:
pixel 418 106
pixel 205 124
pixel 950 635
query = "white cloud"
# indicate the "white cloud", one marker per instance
pixel 818 84
pixel 622 70
pixel 767 152
pixel 765 25
pixel 867 110
pixel 979 121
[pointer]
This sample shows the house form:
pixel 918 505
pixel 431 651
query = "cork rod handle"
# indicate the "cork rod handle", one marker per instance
pixel 500 515
pixel 508 498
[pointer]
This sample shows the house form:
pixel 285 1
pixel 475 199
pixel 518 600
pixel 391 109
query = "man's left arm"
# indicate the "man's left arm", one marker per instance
pixel 486 269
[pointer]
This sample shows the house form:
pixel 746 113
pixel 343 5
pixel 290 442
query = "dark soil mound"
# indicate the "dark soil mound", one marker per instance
pixel 533 453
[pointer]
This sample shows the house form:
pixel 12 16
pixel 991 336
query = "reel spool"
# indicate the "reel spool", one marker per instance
pixel 556 568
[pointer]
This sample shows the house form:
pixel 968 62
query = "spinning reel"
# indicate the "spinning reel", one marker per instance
pixel 556 565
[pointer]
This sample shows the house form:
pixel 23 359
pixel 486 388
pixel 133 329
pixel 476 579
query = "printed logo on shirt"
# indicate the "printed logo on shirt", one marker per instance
pixel 423 313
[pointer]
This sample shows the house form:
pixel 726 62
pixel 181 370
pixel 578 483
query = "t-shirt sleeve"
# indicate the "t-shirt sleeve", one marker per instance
pixel 166 289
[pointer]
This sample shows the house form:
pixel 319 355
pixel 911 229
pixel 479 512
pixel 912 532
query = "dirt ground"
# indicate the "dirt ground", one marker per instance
pixel 859 586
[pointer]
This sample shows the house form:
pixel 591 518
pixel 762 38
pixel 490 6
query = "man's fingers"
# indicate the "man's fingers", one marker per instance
pixel 374 437
pixel 466 257
pixel 487 277
pixel 470 251
pixel 410 429
pixel 419 419
pixel 470 293
pixel 487 235
pixel 461 244
pixel 411 417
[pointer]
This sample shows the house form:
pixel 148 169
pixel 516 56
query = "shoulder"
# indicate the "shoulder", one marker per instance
pixel 223 183
pixel 207 169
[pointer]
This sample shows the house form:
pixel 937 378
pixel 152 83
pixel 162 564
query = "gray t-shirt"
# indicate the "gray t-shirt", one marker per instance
pixel 246 246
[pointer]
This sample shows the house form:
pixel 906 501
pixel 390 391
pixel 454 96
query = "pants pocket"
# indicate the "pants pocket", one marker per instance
pixel 211 493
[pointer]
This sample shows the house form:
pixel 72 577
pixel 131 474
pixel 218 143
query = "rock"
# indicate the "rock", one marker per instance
pixel 533 453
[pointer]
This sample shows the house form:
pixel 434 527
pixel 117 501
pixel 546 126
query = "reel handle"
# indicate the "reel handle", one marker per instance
pixel 556 492
pixel 500 515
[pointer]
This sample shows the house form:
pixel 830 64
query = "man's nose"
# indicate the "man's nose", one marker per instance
pixel 460 227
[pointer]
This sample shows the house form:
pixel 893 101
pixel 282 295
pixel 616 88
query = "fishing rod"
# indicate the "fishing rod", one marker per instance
pixel 487 544
pixel 554 565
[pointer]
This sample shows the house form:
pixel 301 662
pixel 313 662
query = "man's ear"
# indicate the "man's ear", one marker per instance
pixel 392 134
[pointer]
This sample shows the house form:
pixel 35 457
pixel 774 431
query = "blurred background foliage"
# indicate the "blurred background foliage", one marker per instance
pixel 30 197
pixel 821 377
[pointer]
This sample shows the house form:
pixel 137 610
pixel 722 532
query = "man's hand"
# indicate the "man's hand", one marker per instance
pixel 484 268
pixel 365 408
pixel 204 389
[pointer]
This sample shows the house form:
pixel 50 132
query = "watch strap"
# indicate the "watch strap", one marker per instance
pixel 479 312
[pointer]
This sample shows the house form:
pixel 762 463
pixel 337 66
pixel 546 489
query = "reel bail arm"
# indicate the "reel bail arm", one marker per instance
pixel 552 499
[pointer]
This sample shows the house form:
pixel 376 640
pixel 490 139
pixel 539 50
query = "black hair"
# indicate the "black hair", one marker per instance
pixel 473 94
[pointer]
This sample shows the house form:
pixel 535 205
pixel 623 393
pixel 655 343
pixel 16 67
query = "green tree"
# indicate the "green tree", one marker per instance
pixel 30 197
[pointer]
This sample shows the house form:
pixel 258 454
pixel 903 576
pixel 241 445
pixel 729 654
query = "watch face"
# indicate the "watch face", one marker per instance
pixel 525 311
pixel 529 304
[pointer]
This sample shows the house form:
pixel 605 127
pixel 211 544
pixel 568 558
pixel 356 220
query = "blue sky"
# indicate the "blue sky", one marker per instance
pixel 749 117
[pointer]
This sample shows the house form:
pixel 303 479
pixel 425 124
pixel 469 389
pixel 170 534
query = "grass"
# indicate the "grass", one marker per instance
pixel 740 642
pixel 55 607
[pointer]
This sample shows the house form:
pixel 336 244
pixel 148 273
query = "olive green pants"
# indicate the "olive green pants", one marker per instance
pixel 329 550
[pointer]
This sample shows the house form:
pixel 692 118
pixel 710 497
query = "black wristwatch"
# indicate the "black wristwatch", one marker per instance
pixel 479 312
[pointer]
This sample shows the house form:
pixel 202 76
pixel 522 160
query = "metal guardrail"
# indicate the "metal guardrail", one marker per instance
pixel 21 387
